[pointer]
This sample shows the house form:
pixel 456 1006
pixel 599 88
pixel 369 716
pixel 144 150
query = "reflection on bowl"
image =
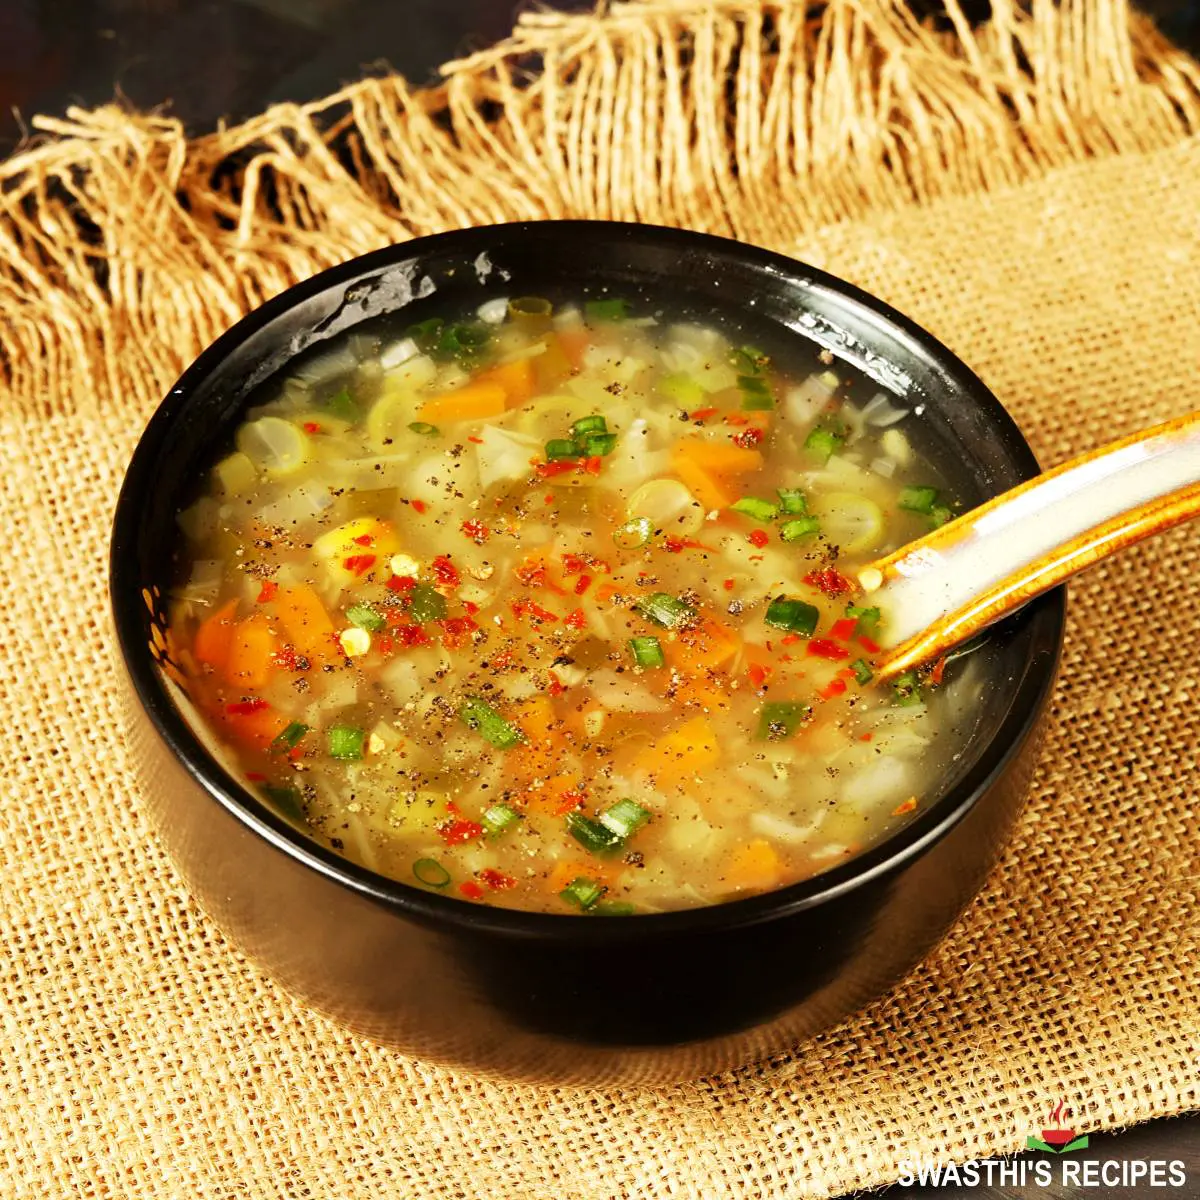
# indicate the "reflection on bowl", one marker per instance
pixel 552 997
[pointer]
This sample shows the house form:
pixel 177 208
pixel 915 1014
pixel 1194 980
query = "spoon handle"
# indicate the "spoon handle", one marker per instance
pixel 945 587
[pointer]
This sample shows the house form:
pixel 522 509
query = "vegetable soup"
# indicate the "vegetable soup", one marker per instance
pixel 551 607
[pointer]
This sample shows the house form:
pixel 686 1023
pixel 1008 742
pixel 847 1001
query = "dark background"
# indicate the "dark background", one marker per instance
pixel 208 60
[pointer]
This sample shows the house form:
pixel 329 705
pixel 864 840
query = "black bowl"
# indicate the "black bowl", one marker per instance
pixel 561 998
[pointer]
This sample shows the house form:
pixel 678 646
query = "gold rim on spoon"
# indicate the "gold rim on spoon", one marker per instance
pixel 944 588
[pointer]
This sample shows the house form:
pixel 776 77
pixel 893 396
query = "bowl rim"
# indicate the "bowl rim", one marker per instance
pixel 1046 616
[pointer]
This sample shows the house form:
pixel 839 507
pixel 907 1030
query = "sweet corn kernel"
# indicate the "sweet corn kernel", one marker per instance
pixel 355 641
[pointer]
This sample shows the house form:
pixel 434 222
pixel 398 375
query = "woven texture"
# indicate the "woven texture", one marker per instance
pixel 1027 191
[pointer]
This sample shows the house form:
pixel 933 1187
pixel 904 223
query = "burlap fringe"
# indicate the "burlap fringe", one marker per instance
pixel 758 120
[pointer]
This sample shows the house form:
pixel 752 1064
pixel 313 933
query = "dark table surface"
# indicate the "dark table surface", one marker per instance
pixel 213 59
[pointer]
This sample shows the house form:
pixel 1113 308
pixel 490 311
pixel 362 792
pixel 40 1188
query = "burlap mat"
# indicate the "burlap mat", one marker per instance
pixel 1029 192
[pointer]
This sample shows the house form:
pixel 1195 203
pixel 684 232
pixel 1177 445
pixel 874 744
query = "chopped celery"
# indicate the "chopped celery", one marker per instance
pixel 793 531
pixel 793 615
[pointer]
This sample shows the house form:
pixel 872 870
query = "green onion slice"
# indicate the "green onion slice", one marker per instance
pixel 868 618
pixel 598 445
pixel 346 741
pixel 591 835
pixel 792 502
pixel 560 448
pixel 793 615
pixel 647 652
pixel 426 603
pixel 285 799
pixel 431 873
pixel 823 442
pixel 780 719
pixel 606 310
pixel 939 514
pixel 290 737
pixel 498 818
pixel 800 527
pixel 342 404
pixel 862 670
pixel 759 510
pixel 756 394
pixel 424 428
pixel 666 610
pixel 749 360
pixel 593 424
pixel 624 818
pixel 906 690
pixel 583 892
pixel 918 499
pixel 480 716
pixel 634 534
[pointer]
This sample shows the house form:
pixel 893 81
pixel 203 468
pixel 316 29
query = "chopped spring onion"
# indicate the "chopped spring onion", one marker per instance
pixel 341 404
pixel 749 360
pixel 756 393
pixel 431 873
pixel 290 737
pixel 666 610
pixel 560 448
pixel 365 616
pixel 606 310
pixel 480 716
pixel 613 908
pixel 346 741
pixel 939 514
pixel 647 652
pixel 759 510
pixel 591 835
pixel 593 424
pixel 823 442
pixel 530 311
pixel 583 892
pixel 286 799
pixel 793 531
pixel 780 719
pixel 597 445
pixel 684 390
pixel 462 343
pixel 426 603
pixel 862 670
pixel 793 615
pixel 918 499
pixel 426 334
pixel 499 817
pixel 424 427
pixel 868 618
pixel 792 502
pixel 624 818
pixel 633 533
pixel 906 690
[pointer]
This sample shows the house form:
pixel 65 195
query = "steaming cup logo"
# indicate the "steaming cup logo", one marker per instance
pixel 1058 1140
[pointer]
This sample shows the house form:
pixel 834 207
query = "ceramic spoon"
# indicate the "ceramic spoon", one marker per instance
pixel 942 589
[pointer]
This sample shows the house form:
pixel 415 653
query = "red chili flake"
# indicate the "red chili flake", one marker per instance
pixel 471 890
pixel 868 644
pixel 938 670
pixel 582 584
pixel 559 467
pixel 824 648
pixel 401 583
pixel 758 675
pixel 568 801
pixel 531 575
pixel 411 635
pixel 477 440
pixel 748 438
pixel 477 531
pixel 267 591
pixel 702 414
pixel 497 880
pixel 471 606
pixel 575 620
pixel 459 830
pixel 789 639
pixel 758 537
pixel 905 806
pixel 445 572
pixel 549 498
pixel 458 632
pixel 255 776
pixel 359 563
pixel 592 465
pixel 865 737
pixel 835 687
pixel 364 540
pixel 728 585
pixel 286 659
pixel 557 687
pixel 830 581
pixel 737 419
pixel 241 708
pixel 385 644
pixel 673 545
pixel 502 661
pixel 573 564
pixel 843 630
pixel 418 505
pixel 756 558
pixel 311 427
pixel 538 612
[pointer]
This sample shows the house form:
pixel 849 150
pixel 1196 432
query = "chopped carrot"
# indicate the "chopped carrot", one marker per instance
pixel 307 625
pixel 720 458
pixel 573 343
pixel 544 740
pixel 569 869
pixel 553 365
pixel 711 490
pixel 255 726
pixel 704 692
pixel 214 637
pixel 516 378
pixel 682 754
pixel 753 867
pixel 556 796
pixel 474 402
pixel 710 645
pixel 251 653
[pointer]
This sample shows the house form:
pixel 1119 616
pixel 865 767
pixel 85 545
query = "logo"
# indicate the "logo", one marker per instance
pixel 1057 1140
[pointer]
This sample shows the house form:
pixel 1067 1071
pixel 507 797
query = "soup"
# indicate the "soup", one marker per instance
pixel 551 607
